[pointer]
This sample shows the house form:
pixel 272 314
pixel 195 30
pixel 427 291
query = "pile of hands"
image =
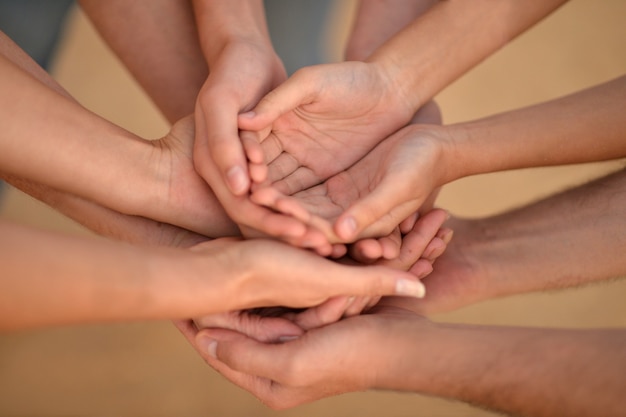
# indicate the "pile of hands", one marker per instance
pixel 325 163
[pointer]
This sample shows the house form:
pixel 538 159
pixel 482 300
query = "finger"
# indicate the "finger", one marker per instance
pixel 294 92
pixel 372 207
pixel 187 328
pixel 272 198
pixel 415 243
pixel 391 244
pixel 206 343
pixel 252 147
pixel 221 142
pixel 357 306
pixel 326 313
pixel 339 250
pixel 366 251
pixel 407 224
pixel 422 268
pixel 263 329
pixel 258 174
pixel 435 249
pixel 445 234
pixel 371 281
pixel 242 355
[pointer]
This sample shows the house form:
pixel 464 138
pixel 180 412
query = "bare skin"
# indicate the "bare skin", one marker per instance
pixel 573 238
pixel 420 247
pixel 395 178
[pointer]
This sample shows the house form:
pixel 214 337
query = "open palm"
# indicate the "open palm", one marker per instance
pixel 322 120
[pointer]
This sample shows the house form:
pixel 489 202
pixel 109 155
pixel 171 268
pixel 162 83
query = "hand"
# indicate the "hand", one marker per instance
pixel 376 194
pixel 189 201
pixel 262 328
pixel 322 120
pixel 262 273
pixel 321 363
pixel 419 250
pixel 460 277
pixel 243 71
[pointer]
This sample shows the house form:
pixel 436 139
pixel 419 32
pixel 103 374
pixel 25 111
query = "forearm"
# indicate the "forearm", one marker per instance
pixel 107 222
pixel 44 140
pixel 158 42
pixel 376 21
pixel 569 239
pixel 583 127
pixel 530 372
pixel 52 279
pixel 52 143
pixel 448 40
pixel 220 23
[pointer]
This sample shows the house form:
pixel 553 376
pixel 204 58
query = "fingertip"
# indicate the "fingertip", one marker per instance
pixel 206 344
pixel 237 180
pixel 258 173
pixel 446 234
pixel 366 251
pixel 339 250
pixel 421 269
pixel 346 228
pixel 410 288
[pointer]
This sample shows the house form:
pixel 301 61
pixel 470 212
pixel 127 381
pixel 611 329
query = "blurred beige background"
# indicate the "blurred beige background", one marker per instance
pixel 148 369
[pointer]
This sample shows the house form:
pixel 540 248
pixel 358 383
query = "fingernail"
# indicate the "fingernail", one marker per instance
pixel 248 114
pixel 347 227
pixel 237 180
pixel 208 345
pixel 350 301
pixel 410 288
pixel 447 237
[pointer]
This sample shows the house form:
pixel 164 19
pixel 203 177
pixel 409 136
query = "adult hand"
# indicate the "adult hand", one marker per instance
pixel 376 194
pixel 239 76
pixel 419 250
pixel 322 120
pixel 321 363
pixel 261 273
pixel 421 240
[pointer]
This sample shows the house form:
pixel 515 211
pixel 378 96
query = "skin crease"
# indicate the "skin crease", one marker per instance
pixel 216 37
pixel 423 239
pixel 397 176
pixel 61 124
pixel 357 103
pixel 533 370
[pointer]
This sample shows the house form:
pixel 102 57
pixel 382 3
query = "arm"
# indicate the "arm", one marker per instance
pixel 157 40
pixel 418 61
pixel 376 21
pixel 51 279
pixel 522 371
pixel 50 140
pixel 583 127
pixel 572 238
pixel 168 46
pixel 243 67
pixel 344 110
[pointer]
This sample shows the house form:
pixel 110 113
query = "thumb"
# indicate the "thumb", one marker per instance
pixel 238 352
pixel 387 197
pixel 294 92
pixel 375 280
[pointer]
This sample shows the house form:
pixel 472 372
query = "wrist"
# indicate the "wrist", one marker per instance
pixel 399 99
pixel 407 356
pixel 222 23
